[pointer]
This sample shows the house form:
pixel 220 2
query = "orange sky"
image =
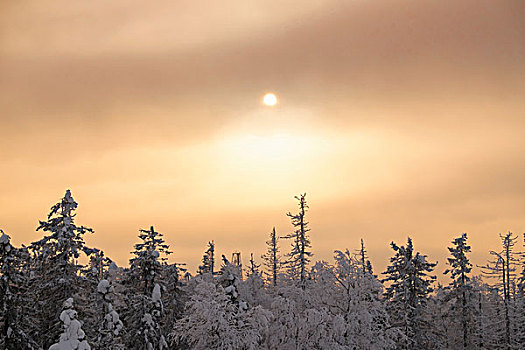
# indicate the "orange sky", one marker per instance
pixel 397 118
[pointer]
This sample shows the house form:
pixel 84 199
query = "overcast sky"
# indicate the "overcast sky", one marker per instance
pixel 396 117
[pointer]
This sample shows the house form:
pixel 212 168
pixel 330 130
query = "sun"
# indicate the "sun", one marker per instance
pixel 270 99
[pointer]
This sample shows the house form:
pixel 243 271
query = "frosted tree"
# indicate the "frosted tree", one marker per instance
pixel 73 337
pixel 345 291
pixel 520 305
pixel 444 332
pixel 89 300
pixel 208 260
pixel 150 257
pixel 174 296
pixel 145 310
pixel 216 319
pixel 407 292
pixel 13 296
pixel 502 268
pixel 151 332
pixel 297 328
pixel 55 268
pixel 300 255
pixel 461 293
pixel 229 279
pixel 145 313
pixel 272 258
pixel 252 289
pixel 111 327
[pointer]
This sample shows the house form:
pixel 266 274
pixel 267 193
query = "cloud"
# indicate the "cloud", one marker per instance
pixel 421 105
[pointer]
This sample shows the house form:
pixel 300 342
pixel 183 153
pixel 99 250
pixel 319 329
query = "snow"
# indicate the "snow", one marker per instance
pixel 148 320
pixel 113 320
pixel 68 303
pixel 103 287
pixel 156 295
pixel 73 336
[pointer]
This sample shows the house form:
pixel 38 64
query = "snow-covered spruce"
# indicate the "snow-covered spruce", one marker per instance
pixel 73 337
pixel 272 259
pixel 55 271
pixel 460 295
pixel 111 327
pixel 408 292
pixel 208 260
pixel 145 315
pixel 14 297
pixel 150 256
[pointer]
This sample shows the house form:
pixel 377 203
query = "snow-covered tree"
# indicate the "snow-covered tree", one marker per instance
pixel 300 255
pixel 208 260
pixel 230 279
pixel 55 268
pixel 408 291
pixel 174 296
pixel 73 337
pixel 89 300
pixel 13 296
pixel 445 332
pixel 151 333
pixel 110 328
pixel 519 330
pixel 463 308
pixel 296 327
pixel 145 313
pixel 272 258
pixel 503 269
pixel 150 257
pixel 97 266
pixel 345 291
pixel 213 321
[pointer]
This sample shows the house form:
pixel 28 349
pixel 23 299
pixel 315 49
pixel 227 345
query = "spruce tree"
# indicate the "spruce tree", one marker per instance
pixel 145 315
pixel 14 296
pixel 300 255
pixel 110 329
pixel 408 291
pixel 461 289
pixel 55 275
pixel 150 257
pixel 208 260
pixel 73 336
pixel 272 258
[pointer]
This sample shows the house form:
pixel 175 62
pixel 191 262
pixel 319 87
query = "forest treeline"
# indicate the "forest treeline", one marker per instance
pixel 281 300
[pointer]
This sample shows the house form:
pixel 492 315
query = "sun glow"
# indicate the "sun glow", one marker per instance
pixel 270 99
pixel 267 148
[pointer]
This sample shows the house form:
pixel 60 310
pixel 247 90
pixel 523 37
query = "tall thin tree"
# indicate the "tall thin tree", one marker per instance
pixel 460 287
pixel 300 255
pixel 272 258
